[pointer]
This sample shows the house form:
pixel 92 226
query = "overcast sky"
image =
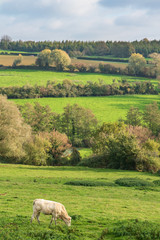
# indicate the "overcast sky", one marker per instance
pixel 80 19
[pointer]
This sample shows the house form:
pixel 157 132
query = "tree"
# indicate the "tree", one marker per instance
pixel 155 62
pixel 122 49
pixel 151 116
pixel 79 124
pixel 5 42
pixel 39 117
pixel 59 143
pixel 17 60
pixel 136 63
pixel 37 150
pixel 13 131
pixel 60 58
pixel 120 147
pixel 75 157
pixel 134 117
pixel 44 58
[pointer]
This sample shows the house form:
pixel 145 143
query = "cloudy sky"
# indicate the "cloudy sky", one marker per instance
pixel 80 19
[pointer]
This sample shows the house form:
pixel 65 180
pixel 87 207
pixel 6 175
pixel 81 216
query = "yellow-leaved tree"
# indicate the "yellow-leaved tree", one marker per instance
pixel 13 131
pixel 60 58
pixel 136 63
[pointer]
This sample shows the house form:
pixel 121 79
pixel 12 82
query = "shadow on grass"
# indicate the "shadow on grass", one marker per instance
pixel 74 169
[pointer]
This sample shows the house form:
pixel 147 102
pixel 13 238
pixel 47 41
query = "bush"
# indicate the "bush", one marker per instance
pixel 17 61
pixel 37 151
pixel 81 67
pixel 59 143
pixel 156 182
pixel 120 149
pixel 75 157
pixel 138 230
pixel 88 183
pixel 94 161
pixel 133 182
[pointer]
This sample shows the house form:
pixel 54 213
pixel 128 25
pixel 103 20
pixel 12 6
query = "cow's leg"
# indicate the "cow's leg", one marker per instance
pixel 33 216
pixel 38 217
pixel 52 220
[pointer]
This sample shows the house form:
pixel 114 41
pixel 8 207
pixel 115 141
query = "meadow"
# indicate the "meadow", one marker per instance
pixel 99 212
pixel 106 109
pixel 21 77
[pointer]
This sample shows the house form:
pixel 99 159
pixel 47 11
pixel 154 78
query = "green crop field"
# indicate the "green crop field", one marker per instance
pixel 21 77
pixel 93 209
pixel 105 108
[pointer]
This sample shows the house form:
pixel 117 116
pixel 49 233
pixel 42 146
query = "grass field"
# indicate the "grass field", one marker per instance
pixel 21 77
pixel 92 209
pixel 106 109
pixel 19 52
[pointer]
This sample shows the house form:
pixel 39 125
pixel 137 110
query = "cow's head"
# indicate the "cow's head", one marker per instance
pixel 67 221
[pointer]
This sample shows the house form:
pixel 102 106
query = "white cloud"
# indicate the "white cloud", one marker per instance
pixel 79 20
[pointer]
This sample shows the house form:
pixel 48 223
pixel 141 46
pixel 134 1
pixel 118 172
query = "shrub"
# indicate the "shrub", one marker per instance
pixel 88 183
pixel 81 67
pixel 17 61
pixel 94 161
pixel 59 143
pixel 139 230
pixel 75 157
pixel 37 151
pixel 133 182
pixel 121 149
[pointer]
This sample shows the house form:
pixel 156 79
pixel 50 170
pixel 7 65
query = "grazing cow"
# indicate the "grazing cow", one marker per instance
pixel 57 210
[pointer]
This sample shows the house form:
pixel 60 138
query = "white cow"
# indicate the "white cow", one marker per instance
pixel 57 210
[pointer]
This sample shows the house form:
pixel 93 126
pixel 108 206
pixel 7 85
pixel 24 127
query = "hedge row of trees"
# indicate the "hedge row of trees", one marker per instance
pixel 42 137
pixel 137 64
pixel 92 48
pixel 69 89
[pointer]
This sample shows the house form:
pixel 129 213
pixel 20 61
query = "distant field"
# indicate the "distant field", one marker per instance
pixel 106 109
pixel 93 209
pixel 7 60
pixel 96 63
pixel 14 77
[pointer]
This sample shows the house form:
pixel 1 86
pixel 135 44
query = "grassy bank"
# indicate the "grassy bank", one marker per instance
pixel 93 209
pixel 21 77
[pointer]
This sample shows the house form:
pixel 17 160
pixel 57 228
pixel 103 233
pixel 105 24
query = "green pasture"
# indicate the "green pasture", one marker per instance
pixel 93 209
pixel 12 52
pixel 106 109
pixel 17 77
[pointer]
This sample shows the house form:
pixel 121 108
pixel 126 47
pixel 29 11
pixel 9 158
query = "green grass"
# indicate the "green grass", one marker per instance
pixel 20 52
pixel 85 152
pixel 93 209
pixel 106 109
pixel 11 77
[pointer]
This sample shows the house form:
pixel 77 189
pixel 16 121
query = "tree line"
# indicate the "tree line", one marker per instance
pixel 90 48
pixel 69 89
